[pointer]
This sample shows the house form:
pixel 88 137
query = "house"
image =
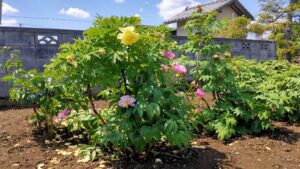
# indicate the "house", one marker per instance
pixel 225 9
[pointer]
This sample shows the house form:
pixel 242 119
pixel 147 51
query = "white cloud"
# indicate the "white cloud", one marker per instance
pixel 169 8
pixel 8 9
pixel 75 12
pixel 9 22
pixel 137 15
pixel 119 1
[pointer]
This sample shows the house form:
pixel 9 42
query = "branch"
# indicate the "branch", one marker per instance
pixel 124 81
pixel 37 115
pixel 206 103
pixel 90 96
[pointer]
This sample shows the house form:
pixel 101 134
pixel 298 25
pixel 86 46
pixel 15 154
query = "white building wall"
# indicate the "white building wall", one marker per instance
pixel 226 12
pixel 180 30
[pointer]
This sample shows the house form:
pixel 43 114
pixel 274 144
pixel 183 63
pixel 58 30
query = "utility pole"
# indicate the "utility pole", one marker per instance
pixel 1 2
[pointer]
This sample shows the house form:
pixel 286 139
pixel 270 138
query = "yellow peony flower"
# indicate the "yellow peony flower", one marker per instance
pixel 101 51
pixel 128 36
pixel 227 54
pixel 160 36
pixel 72 61
pixel 216 56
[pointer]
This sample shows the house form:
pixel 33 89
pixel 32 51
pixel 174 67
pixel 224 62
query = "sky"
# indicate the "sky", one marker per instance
pixel 79 14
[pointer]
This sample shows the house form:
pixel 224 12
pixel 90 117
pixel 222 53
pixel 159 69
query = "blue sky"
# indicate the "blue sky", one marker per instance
pixel 152 12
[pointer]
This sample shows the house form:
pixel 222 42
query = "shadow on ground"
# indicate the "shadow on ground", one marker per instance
pixel 281 133
pixel 191 158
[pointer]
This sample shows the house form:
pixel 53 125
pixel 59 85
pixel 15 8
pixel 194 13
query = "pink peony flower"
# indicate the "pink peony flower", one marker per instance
pixel 165 67
pixel 198 110
pixel 178 68
pixel 169 55
pixel 63 114
pixel 126 101
pixel 194 83
pixel 200 93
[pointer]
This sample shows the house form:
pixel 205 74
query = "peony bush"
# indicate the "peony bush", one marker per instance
pixel 236 110
pixel 134 69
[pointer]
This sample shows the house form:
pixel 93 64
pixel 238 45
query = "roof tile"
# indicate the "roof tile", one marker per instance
pixel 207 7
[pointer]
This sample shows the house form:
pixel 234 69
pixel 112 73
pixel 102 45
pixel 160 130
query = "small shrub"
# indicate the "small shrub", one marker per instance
pixel 236 109
pixel 274 82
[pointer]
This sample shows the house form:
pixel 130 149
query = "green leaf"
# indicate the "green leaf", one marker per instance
pixel 152 110
pixel 171 126
pixel 230 121
pixel 224 132
pixel 150 133
pixel 7 78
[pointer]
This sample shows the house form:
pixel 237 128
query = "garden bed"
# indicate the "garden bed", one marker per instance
pixel 152 110
pixel 22 146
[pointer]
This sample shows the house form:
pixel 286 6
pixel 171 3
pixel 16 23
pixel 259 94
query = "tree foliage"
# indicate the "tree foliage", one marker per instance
pixel 281 19
pixel 235 28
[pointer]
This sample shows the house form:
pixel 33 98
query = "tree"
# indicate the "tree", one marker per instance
pixel 239 25
pixel 281 19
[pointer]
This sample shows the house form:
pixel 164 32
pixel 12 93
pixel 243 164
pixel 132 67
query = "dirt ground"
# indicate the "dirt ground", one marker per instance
pixel 22 147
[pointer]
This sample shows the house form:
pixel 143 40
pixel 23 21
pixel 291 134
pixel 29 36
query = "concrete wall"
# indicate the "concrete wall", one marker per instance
pixel 251 49
pixel 37 46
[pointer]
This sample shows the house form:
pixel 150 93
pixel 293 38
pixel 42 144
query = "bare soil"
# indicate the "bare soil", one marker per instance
pixel 22 147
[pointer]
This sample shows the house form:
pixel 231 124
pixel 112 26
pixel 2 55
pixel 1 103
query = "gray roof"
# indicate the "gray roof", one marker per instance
pixel 217 5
